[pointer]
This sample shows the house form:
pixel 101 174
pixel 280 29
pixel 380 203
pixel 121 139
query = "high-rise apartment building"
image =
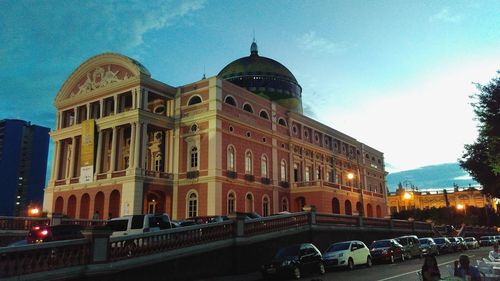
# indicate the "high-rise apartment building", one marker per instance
pixel 23 165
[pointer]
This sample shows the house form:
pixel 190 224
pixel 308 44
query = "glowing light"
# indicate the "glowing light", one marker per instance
pixel 350 176
pixel 44 232
pixel 34 211
pixel 460 206
pixel 407 195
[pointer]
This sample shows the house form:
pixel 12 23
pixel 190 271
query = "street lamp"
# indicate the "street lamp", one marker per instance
pixel 34 212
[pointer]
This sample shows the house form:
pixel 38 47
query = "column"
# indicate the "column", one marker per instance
pixel 87 106
pixel 134 98
pixel 146 101
pixel 113 149
pixel 137 145
pixel 58 120
pixel 55 160
pixel 101 108
pixel 77 115
pixel 131 157
pixel 167 151
pixel 98 160
pixel 73 158
pixel 144 147
pixel 138 94
pixel 115 107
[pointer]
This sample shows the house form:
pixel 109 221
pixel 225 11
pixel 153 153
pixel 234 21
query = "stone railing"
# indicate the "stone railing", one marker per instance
pixel 21 223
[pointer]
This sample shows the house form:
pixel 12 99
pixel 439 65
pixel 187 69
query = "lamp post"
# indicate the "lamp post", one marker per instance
pixel 351 176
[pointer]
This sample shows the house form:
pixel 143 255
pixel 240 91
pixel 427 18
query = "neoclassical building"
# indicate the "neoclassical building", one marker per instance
pixel 126 143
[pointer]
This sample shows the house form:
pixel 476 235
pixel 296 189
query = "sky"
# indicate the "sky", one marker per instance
pixel 396 75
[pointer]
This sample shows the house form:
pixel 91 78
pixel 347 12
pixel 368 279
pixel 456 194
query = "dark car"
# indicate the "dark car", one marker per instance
pixel 45 233
pixel 411 246
pixel 428 246
pixel 387 250
pixel 294 261
pixel 443 245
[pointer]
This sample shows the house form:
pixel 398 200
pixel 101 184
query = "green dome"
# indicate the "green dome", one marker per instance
pixel 265 77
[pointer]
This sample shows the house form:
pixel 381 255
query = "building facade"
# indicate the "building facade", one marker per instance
pixel 127 144
pixel 23 165
pixel 460 198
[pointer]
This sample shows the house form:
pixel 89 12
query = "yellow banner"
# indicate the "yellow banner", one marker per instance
pixel 87 151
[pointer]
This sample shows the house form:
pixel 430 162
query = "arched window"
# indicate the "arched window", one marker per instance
pixel 284 204
pixel 248 163
pixel 194 157
pixel 265 206
pixel 231 199
pixel 359 207
pixel 230 100
pixel 378 211
pixel 192 205
pixel 369 210
pixel 283 170
pixel 249 203
pixel 59 205
pixel 194 100
pixel 263 166
pixel 282 122
pixel 264 114
pixel 158 162
pixel 348 207
pixel 248 107
pixel 230 158
pixel 335 206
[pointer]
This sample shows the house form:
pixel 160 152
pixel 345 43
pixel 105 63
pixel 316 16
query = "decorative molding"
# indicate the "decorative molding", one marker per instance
pixel 99 78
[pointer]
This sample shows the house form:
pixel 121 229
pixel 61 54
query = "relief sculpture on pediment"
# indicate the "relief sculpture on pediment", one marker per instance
pixel 99 78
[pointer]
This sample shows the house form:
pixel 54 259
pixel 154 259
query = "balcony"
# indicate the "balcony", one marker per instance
pixel 231 174
pixel 284 184
pixel 250 178
pixel 266 181
pixel 193 174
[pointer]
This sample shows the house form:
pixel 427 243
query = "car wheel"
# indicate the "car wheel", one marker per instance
pixel 350 264
pixel 392 259
pixel 369 261
pixel 296 272
pixel 321 268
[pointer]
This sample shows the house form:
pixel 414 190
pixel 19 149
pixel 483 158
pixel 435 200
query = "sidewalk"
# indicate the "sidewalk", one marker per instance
pixel 253 276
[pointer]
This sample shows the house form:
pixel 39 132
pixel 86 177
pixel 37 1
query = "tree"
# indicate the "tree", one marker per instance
pixel 482 158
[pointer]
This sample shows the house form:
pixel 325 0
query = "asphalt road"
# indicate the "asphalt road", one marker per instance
pixel 399 271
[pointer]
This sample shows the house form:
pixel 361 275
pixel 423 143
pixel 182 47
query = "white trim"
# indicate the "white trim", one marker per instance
pixel 253 201
pixel 265 111
pixel 251 107
pixel 192 97
pixel 227 201
pixel 191 191
pixel 234 99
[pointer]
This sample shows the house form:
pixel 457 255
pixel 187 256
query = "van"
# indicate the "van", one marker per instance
pixel 411 246
pixel 137 224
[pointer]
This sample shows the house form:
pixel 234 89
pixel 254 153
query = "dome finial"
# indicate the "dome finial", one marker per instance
pixel 253 48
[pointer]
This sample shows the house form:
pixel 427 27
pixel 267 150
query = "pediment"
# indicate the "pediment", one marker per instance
pixel 99 72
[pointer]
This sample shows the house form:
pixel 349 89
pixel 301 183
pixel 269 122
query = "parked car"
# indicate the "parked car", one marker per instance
pixel 455 244
pixel 387 250
pixel 46 233
pixel 486 241
pixel 471 243
pixel 347 254
pixel 411 246
pixel 462 243
pixel 428 246
pixel 443 245
pixel 209 219
pixel 245 216
pixel 294 261
pixel 136 224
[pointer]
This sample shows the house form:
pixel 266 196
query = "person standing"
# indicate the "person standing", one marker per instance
pixel 465 270
pixel 430 269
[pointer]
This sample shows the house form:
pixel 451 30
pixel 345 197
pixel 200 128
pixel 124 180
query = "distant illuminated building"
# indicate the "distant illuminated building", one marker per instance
pixel 459 198
pixel 23 165
pixel 126 143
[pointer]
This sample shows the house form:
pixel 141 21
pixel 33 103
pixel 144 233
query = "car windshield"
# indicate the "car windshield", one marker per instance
pixel 469 239
pixel 339 247
pixel 381 244
pixel 439 240
pixel 118 225
pixel 402 241
pixel 291 251
pixel 484 238
pixel 424 241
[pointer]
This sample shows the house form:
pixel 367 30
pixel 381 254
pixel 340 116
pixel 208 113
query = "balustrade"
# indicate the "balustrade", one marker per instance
pixel 21 223
pixel 271 224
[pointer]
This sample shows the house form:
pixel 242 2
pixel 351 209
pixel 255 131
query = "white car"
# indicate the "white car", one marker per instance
pixel 137 224
pixel 471 243
pixel 347 254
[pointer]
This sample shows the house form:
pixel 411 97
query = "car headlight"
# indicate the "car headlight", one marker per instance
pixel 286 263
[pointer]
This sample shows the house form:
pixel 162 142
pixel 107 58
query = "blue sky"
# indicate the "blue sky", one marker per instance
pixel 396 75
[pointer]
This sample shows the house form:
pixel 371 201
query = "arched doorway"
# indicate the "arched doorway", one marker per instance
pixel 369 210
pixel 300 202
pixel 114 204
pixel 99 205
pixel 58 208
pixel 71 207
pixel 359 208
pixel 249 203
pixel 155 202
pixel 379 211
pixel 335 206
pixel 348 207
pixel 85 206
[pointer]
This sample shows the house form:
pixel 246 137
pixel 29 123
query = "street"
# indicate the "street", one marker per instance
pixel 399 271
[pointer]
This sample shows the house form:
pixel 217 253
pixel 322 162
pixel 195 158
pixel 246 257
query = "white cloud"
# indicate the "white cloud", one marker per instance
pixel 422 123
pixel 445 16
pixel 312 43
